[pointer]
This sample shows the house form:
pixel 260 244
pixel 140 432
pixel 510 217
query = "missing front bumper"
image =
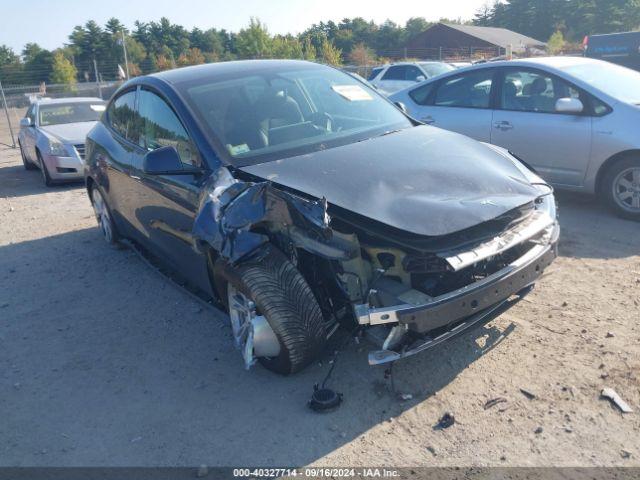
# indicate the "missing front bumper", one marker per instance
pixel 464 307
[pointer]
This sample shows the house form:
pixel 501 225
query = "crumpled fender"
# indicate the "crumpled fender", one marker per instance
pixel 229 210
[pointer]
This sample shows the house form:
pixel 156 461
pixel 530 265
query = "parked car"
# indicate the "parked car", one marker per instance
pixel 572 119
pixel 52 136
pixel 394 77
pixel 301 199
pixel 461 64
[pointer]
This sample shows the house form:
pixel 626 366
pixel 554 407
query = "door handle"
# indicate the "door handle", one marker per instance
pixel 135 177
pixel 428 120
pixel 502 125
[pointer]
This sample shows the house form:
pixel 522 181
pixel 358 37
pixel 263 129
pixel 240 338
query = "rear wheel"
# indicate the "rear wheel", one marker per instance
pixel 103 216
pixel 621 188
pixel 46 178
pixel 273 290
pixel 27 164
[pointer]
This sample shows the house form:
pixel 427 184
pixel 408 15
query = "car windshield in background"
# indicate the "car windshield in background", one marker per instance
pixel 434 69
pixel 59 113
pixel 277 112
pixel 620 82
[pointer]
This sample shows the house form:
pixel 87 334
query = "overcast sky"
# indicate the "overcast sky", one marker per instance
pixel 50 22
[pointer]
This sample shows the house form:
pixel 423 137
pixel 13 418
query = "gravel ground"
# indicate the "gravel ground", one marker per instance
pixel 104 362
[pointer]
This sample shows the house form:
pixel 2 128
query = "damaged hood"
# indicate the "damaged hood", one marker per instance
pixel 423 180
pixel 69 132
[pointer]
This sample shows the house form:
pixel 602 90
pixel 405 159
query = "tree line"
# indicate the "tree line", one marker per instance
pixel 96 50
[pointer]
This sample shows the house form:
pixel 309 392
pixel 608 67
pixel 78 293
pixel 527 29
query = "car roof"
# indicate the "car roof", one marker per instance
pixel 50 101
pixel 186 74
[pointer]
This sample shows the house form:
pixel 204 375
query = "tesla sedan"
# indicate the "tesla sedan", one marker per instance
pixel 301 200
pixel 572 119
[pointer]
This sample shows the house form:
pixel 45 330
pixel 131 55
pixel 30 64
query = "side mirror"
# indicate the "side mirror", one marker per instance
pixel 26 122
pixel 166 161
pixel 402 107
pixel 420 78
pixel 569 105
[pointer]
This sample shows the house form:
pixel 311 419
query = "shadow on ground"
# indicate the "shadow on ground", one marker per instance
pixel 105 361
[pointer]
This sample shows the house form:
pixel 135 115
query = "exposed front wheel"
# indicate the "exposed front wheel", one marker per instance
pixel 103 216
pixel 274 315
pixel 621 188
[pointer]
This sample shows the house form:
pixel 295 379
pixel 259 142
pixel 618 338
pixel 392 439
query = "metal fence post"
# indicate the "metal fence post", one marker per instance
pixel 95 69
pixel 6 111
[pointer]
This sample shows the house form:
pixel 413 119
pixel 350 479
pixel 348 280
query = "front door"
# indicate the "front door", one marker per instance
pixel 166 205
pixel 557 145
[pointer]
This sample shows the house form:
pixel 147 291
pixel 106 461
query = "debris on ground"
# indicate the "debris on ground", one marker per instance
pixel 625 454
pixel 538 430
pixel 610 334
pixel 528 394
pixel 611 395
pixel 433 451
pixel 446 421
pixel 493 402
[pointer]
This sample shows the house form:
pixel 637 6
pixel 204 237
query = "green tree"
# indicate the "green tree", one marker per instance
pixel 7 55
pixel 309 50
pixel 254 41
pixel 63 71
pixel 555 43
pixel 330 54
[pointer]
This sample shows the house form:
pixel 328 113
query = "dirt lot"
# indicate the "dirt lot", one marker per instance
pixel 105 362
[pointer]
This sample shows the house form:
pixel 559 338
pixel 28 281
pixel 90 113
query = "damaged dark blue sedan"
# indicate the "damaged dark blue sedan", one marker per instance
pixel 302 200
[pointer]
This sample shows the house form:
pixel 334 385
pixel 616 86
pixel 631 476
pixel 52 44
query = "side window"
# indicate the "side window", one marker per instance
pixel 374 73
pixel 121 113
pixel 412 73
pixel 421 94
pixel 160 127
pixel 472 90
pixel 397 72
pixel 531 91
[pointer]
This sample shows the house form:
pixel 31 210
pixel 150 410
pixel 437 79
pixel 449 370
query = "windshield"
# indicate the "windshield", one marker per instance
pixel 59 113
pixel 434 69
pixel 283 111
pixel 621 83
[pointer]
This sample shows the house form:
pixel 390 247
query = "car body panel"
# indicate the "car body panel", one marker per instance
pixel 389 86
pixel 411 180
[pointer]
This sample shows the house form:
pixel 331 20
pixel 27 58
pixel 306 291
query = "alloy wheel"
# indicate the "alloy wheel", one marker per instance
pixel 626 189
pixel 102 216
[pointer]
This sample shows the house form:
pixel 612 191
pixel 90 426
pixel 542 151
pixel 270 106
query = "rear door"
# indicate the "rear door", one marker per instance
pixel 557 145
pixel 395 78
pixel 166 205
pixel 460 103
pixel 113 156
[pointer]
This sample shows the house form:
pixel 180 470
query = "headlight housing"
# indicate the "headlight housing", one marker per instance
pixel 57 149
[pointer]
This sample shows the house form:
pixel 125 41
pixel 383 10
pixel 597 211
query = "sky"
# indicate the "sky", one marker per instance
pixel 48 23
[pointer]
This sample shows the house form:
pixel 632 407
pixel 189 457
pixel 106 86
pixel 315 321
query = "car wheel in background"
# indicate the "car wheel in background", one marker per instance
pixel 103 216
pixel 45 173
pixel 27 164
pixel 621 187
pixel 273 289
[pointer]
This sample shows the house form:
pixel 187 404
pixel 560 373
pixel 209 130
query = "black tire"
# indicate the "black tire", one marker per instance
pixel 610 187
pixel 283 296
pixel 46 178
pixel 27 164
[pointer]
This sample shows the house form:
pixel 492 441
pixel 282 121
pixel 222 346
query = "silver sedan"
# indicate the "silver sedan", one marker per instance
pixel 52 136
pixel 572 119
